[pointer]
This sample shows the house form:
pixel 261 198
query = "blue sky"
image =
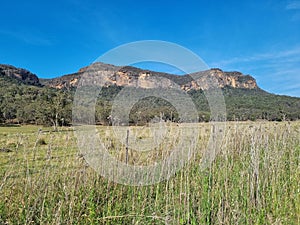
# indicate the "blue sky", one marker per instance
pixel 260 38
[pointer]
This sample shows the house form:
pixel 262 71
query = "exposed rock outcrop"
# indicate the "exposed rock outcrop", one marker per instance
pixel 22 75
pixel 135 77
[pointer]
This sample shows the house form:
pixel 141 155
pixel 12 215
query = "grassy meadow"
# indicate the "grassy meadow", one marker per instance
pixel 255 179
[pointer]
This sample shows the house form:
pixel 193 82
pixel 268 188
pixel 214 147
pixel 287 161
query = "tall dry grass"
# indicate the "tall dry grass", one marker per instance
pixel 253 180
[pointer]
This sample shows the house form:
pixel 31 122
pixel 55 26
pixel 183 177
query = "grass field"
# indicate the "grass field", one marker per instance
pixel 255 179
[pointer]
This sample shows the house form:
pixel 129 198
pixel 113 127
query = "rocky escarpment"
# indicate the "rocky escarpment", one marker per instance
pixel 19 74
pixel 135 77
pixel 222 79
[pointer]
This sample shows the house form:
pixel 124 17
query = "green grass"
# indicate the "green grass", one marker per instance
pixel 253 180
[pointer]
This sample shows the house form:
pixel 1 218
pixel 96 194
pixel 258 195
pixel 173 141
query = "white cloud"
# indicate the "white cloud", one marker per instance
pixel 28 37
pixel 276 71
pixel 293 5
pixel 290 55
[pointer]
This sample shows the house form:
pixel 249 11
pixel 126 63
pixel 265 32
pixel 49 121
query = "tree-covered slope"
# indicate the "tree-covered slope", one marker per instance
pixel 23 101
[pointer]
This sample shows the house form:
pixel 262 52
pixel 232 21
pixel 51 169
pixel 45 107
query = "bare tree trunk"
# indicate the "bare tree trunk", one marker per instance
pixel 56 121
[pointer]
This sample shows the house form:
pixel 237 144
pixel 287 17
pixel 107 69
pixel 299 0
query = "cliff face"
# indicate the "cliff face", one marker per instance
pixel 223 79
pixel 22 75
pixel 134 77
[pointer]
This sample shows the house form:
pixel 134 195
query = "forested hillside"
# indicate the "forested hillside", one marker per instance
pixel 27 102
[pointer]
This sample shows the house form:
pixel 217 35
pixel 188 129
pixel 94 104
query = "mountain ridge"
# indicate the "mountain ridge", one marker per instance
pixel 141 78
pixel 26 99
pixel 19 74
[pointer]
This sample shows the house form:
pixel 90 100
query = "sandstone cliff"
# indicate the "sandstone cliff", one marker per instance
pixel 135 77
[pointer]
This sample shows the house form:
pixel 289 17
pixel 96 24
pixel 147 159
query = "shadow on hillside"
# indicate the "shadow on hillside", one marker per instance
pixel 9 125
